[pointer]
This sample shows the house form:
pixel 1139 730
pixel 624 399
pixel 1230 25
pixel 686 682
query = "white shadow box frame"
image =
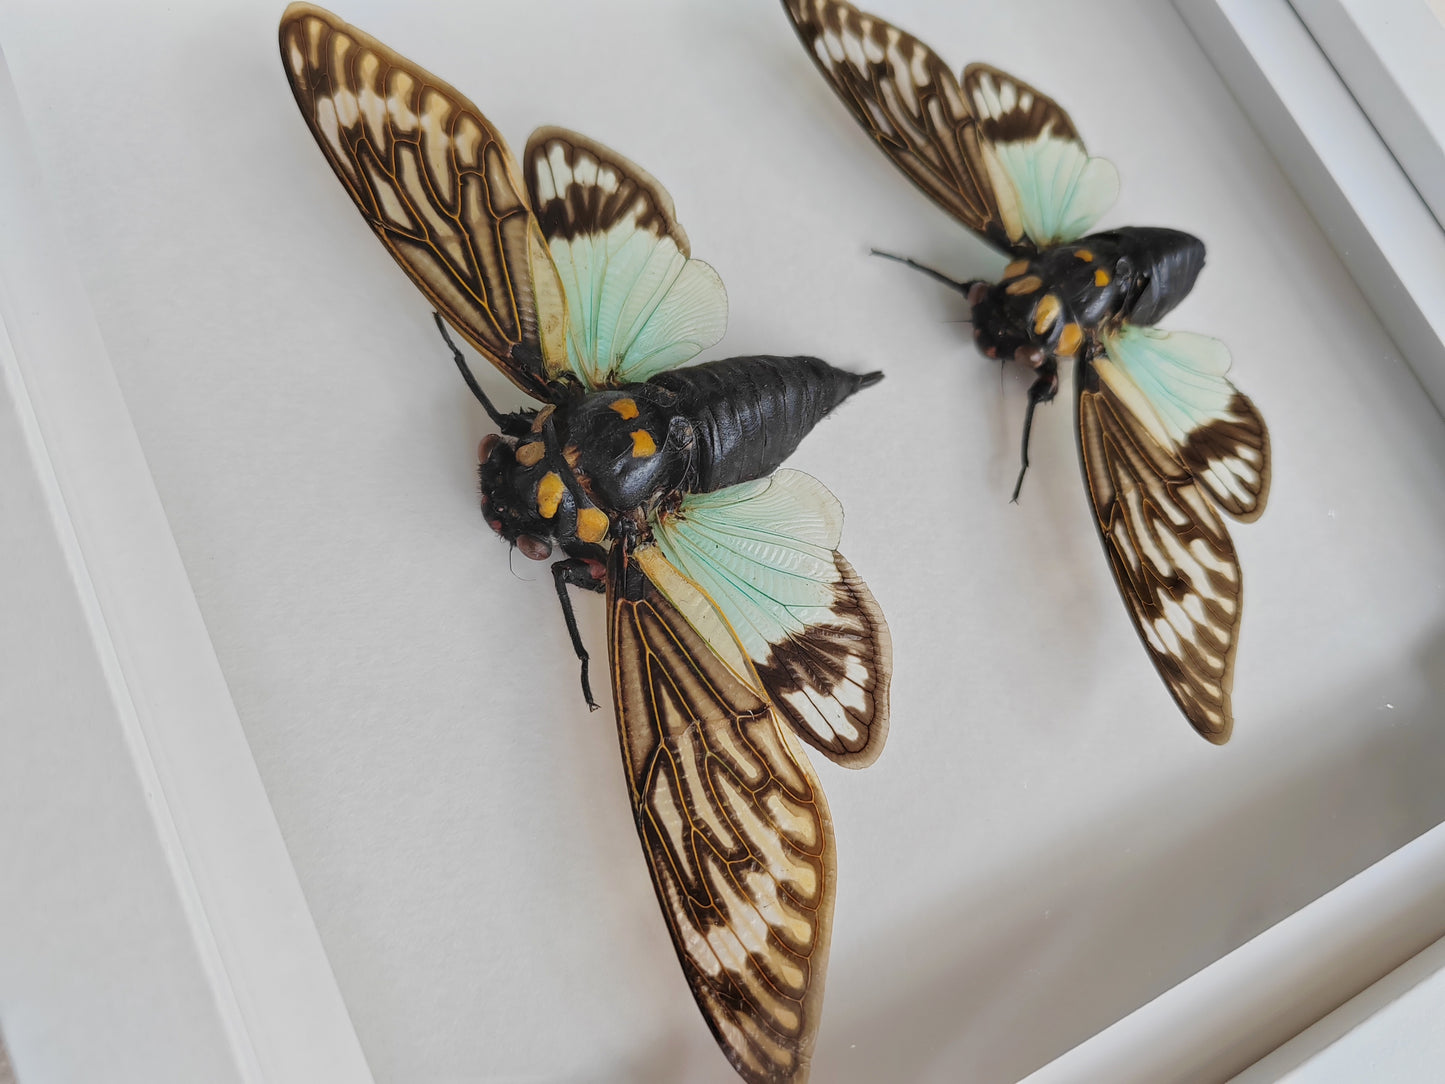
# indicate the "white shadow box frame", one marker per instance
pixel 151 925
pixel 328 709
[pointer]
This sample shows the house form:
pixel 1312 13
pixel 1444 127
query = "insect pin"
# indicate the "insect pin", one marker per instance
pixel 735 628
pixel 1166 442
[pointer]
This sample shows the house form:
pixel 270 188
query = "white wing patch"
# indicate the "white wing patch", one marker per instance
pixel 765 552
pixel 1173 382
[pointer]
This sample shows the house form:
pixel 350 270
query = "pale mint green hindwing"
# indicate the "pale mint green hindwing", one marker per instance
pixel 1175 385
pixel 636 303
pixel 1061 191
pixel 766 553
pixel 1046 185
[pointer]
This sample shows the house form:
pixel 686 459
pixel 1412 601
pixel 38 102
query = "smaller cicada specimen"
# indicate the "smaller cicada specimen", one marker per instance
pixel 1166 442
pixel 735 626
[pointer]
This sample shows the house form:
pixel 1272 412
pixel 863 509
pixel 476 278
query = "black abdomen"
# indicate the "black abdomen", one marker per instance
pixel 749 414
pixel 1164 264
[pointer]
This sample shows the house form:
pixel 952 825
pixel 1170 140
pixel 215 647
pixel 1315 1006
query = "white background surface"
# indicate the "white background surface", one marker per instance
pixel 1045 844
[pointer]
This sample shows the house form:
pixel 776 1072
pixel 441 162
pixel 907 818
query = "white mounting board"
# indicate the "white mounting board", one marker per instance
pixel 1045 846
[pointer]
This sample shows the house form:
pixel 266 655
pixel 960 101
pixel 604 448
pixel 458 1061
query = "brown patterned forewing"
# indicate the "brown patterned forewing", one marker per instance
pixel 1172 557
pixel 910 103
pixel 732 820
pixel 438 185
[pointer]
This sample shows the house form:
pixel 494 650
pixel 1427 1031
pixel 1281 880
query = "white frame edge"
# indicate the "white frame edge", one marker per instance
pixel 1223 1019
pixel 1388 52
pixel 275 994
pixel 1345 174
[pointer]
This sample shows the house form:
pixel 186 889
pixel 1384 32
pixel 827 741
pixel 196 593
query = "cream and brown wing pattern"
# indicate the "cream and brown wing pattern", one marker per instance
pixel 1170 552
pixel 437 183
pixel 732 821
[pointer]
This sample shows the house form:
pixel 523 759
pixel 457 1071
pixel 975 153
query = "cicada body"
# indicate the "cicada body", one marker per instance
pixel 735 626
pixel 1166 442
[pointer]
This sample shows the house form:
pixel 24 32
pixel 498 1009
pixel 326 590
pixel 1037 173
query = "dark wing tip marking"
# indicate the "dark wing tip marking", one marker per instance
pixel 600 188
pixel 832 682
pixel 1245 439
pixel 1026 111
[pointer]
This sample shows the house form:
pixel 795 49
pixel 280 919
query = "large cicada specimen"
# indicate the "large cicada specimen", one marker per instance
pixel 1165 440
pixel 734 625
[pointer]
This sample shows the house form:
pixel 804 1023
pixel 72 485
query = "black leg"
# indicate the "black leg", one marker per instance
pixel 576 574
pixel 938 276
pixel 498 418
pixel 1042 390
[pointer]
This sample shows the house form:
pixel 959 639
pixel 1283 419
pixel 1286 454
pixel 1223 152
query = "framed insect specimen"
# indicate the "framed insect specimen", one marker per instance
pixel 735 627
pixel 1166 442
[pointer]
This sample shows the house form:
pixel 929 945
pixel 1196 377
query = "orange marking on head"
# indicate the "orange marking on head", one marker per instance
pixel 1101 278
pixel 592 525
pixel 1018 267
pixel 1025 285
pixel 642 444
pixel 549 494
pixel 529 455
pixel 1070 339
pixel 626 408
pixel 1084 254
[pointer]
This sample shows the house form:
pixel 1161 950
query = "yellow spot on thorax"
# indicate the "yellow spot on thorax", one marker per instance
pixel 1046 313
pixel 642 444
pixel 529 455
pixel 1070 339
pixel 592 525
pixel 1101 278
pixel 626 408
pixel 549 494
pixel 1024 285
pixel 1018 267
pixel 1084 254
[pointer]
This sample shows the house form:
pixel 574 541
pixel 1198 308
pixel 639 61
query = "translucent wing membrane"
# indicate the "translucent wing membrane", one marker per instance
pixel 732 821
pixel 638 305
pixel 438 185
pixel 766 553
pixel 909 102
pixel 1171 555
pixel 1173 382
pixel 1047 187
pixel 995 153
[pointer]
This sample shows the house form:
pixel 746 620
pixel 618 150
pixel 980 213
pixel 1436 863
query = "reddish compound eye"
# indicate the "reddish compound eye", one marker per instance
pixel 484 449
pixel 535 548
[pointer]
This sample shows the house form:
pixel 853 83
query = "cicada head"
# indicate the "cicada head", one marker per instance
pixel 530 496
pixel 1017 319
